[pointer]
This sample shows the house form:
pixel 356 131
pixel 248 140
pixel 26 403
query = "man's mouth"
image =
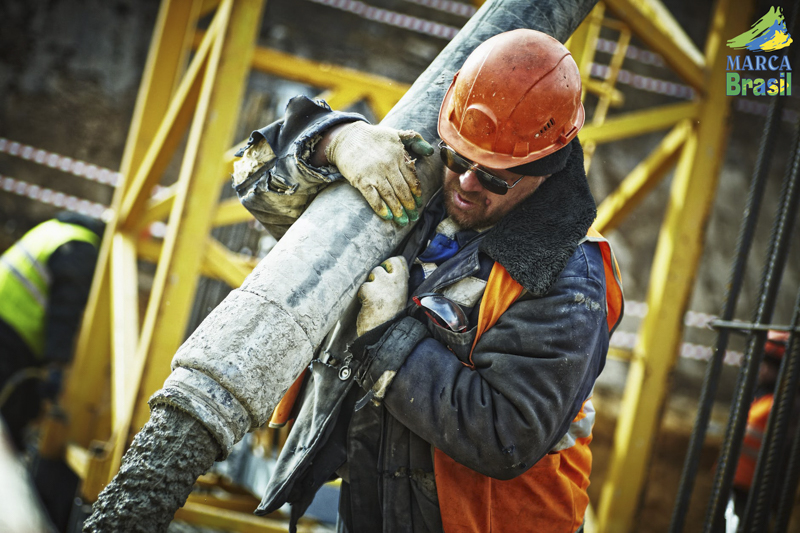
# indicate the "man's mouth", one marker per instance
pixel 461 202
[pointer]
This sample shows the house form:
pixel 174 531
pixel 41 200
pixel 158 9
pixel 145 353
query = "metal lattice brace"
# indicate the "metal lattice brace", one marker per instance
pixel 205 101
pixel 679 246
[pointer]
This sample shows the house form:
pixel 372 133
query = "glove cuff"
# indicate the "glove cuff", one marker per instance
pixel 353 134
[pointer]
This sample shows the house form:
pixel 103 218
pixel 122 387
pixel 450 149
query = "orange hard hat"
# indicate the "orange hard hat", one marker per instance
pixel 775 346
pixel 516 99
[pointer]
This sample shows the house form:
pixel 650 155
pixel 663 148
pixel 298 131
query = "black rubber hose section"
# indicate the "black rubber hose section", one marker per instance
pixel 157 474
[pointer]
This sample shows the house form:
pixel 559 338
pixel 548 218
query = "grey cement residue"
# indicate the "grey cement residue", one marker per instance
pixel 158 472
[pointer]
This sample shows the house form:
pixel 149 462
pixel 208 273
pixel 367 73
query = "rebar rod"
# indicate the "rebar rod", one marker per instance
pixel 771 457
pixel 744 243
pixel 788 491
pixel 744 390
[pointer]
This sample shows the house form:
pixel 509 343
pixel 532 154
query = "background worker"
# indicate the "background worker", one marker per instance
pixel 45 279
pixel 478 343
pixel 758 416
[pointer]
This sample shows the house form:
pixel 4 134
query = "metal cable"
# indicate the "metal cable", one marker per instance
pixel 743 393
pixel 711 379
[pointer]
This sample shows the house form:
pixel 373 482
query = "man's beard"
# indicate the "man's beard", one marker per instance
pixel 474 218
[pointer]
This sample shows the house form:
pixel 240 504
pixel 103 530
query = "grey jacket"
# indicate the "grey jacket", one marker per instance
pixel 533 369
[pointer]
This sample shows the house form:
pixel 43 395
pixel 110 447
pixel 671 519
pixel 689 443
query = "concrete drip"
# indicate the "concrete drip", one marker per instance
pixel 258 340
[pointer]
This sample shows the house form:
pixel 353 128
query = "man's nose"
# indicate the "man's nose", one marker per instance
pixel 469 181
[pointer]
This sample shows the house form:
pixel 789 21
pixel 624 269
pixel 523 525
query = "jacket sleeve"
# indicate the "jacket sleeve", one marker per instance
pixel 72 267
pixel 278 192
pixel 533 371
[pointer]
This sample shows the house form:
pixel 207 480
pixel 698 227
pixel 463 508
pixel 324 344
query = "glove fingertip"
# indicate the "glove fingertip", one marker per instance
pixel 385 213
pixel 403 219
pixel 421 147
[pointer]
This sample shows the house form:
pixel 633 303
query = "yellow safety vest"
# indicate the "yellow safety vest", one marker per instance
pixel 25 278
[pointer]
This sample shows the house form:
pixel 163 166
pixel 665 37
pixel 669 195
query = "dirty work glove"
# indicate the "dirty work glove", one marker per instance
pixel 383 295
pixel 381 352
pixel 375 161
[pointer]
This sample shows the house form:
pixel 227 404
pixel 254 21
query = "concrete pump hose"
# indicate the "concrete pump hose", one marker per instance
pixel 232 371
pixel 158 472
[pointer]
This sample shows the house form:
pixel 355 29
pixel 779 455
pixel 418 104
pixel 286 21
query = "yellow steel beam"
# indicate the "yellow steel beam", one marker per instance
pixel 91 364
pixel 78 459
pixel 210 135
pixel 168 136
pixel 375 88
pixel 618 354
pixel 598 88
pixel 158 208
pixel 229 212
pixel 381 92
pixel 639 122
pixel 583 41
pixel 655 25
pixel 124 321
pixel 342 97
pixel 642 179
pixel 95 469
pixel 226 265
pixel 150 250
pixel 582 44
pixel 243 503
pixel 607 85
pixel 677 257
pixel 208 6
pixel 230 157
pixel 162 72
pixel 227 520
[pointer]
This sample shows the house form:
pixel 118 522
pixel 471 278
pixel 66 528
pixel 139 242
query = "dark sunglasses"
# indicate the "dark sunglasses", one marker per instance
pixel 462 165
pixel 442 311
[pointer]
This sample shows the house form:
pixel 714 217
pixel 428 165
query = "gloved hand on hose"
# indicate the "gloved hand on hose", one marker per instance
pixel 383 295
pixel 375 160
pixel 385 337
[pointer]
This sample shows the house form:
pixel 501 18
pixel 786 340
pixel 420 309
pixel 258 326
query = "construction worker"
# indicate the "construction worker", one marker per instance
pixel 758 416
pixel 44 284
pixel 479 342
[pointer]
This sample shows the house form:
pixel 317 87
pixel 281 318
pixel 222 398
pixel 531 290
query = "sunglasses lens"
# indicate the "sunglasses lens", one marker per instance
pixel 491 183
pixel 453 161
pixel 444 312
pixel 459 165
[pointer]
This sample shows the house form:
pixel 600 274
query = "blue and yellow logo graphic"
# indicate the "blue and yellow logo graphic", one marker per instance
pixel 768 34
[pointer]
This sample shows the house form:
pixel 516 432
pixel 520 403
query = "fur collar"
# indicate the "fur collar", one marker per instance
pixel 535 241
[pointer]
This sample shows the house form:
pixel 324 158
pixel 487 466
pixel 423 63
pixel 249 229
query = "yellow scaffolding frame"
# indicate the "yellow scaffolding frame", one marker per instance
pixel 134 360
pixel 202 107
pixel 696 144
